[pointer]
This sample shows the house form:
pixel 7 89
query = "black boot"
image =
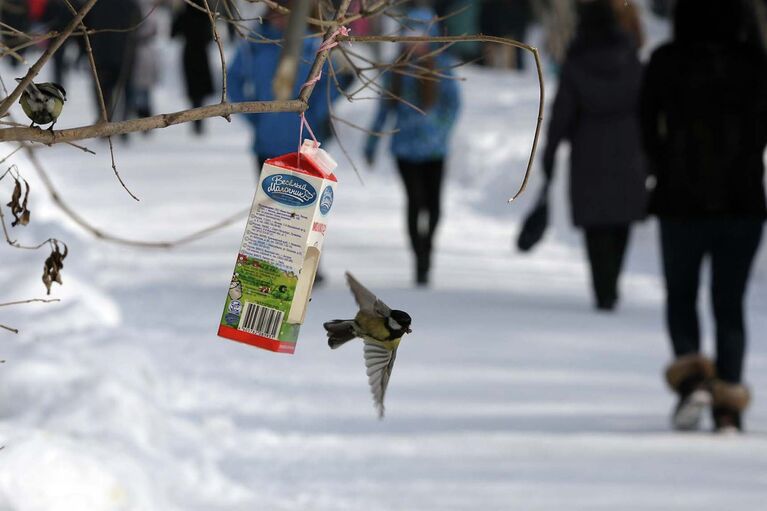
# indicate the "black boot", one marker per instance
pixel 690 377
pixel 730 400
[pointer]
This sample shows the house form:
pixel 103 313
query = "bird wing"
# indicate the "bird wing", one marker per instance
pixel 367 301
pixel 379 362
pixel 51 90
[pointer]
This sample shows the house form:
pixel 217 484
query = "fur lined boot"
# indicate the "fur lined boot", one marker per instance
pixel 689 376
pixel 730 400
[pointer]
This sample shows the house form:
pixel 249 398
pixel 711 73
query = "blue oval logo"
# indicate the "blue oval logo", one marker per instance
pixel 326 200
pixel 289 190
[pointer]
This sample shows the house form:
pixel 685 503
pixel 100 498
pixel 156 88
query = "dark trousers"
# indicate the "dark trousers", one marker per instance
pixel 606 247
pixel 423 183
pixel 731 245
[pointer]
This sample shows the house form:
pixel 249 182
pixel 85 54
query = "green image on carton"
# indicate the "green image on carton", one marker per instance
pixel 259 300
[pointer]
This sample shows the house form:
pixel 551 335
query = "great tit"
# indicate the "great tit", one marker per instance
pixel 43 102
pixel 381 330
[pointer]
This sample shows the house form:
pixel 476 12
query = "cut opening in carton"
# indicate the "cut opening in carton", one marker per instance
pixel 304 286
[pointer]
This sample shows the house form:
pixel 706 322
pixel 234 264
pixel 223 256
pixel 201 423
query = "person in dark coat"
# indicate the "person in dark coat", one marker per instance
pixel 596 110
pixel 193 25
pixel 704 128
pixel 114 47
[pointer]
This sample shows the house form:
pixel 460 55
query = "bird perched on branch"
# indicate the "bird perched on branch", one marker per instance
pixel 381 330
pixel 43 102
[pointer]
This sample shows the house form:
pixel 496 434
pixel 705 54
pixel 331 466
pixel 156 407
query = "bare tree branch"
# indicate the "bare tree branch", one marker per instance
pixel 20 302
pixel 217 38
pixel 290 56
pixel 479 38
pixel 31 300
pixel 120 240
pixel 147 123
pixel 322 56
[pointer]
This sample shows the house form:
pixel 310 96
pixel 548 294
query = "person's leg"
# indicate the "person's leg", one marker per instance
pixel 432 173
pixel 683 246
pixel 732 256
pixel 619 237
pixel 411 178
pixel 601 260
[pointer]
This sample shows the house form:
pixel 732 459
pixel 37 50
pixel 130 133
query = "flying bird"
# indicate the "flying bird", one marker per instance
pixel 380 329
pixel 43 102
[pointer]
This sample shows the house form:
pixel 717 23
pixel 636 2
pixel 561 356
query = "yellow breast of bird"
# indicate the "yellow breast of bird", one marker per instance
pixel 57 106
pixel 372 326
pixel 26 107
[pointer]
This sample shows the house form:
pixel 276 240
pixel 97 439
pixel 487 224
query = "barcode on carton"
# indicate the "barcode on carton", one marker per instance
pixel 257 319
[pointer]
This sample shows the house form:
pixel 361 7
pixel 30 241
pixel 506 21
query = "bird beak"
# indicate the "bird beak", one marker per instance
pixel 408 330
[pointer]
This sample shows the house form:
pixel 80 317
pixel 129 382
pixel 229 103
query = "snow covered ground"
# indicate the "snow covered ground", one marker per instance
pixel 511 392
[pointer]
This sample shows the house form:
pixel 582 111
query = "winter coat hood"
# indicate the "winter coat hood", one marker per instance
pixel 708 21
pixel 598 65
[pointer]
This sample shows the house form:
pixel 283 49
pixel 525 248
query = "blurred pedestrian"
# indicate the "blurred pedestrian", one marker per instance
pixel 192 24
pixel 704 125
pixel 15 13
pixel 596 110
pixel 505 18
pixel 250 78
pixel 629 20
pixel 559 21
pixel 114 51
pixel 420 141
pixel 147 66
pixel 54 15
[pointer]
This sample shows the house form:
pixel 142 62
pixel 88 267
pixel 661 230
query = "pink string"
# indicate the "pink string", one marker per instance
pixel 326 45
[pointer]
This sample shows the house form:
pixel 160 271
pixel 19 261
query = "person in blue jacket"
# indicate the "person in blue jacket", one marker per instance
pixel 420 141
pixel 250 78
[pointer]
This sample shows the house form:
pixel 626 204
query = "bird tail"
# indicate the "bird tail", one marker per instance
pixel 340 331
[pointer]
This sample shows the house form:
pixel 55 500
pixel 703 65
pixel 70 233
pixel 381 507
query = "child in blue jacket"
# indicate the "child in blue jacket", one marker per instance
pixel 250 78
pixel 420 141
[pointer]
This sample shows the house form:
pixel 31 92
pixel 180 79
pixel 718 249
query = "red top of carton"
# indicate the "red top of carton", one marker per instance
pixel 304 165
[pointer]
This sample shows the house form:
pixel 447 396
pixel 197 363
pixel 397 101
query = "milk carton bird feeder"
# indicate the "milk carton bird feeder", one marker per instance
pixel 280 251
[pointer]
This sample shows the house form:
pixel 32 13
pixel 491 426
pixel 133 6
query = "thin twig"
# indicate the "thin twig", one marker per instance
pixel 100 95
pixel 112 238
pixel 342 20
pixel 479 38
pixel 322 56
pixel 19 302
pixel 217 38
pixel 31 300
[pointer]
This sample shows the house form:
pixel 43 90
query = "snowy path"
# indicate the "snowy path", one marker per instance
pixel 510 394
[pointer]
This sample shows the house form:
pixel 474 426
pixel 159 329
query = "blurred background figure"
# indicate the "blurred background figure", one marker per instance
pixel 756 23
pixel 54 15
pixel 193 26
pixel 559 21
pixel 15 13
pixel 251 74
pixel 595 109
pixel 704 124
pixel 629 20
pixel 146 73
pixel 662 8
pixel 114 51
pixel 420 143
pixel 505 18
pixel 461 17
